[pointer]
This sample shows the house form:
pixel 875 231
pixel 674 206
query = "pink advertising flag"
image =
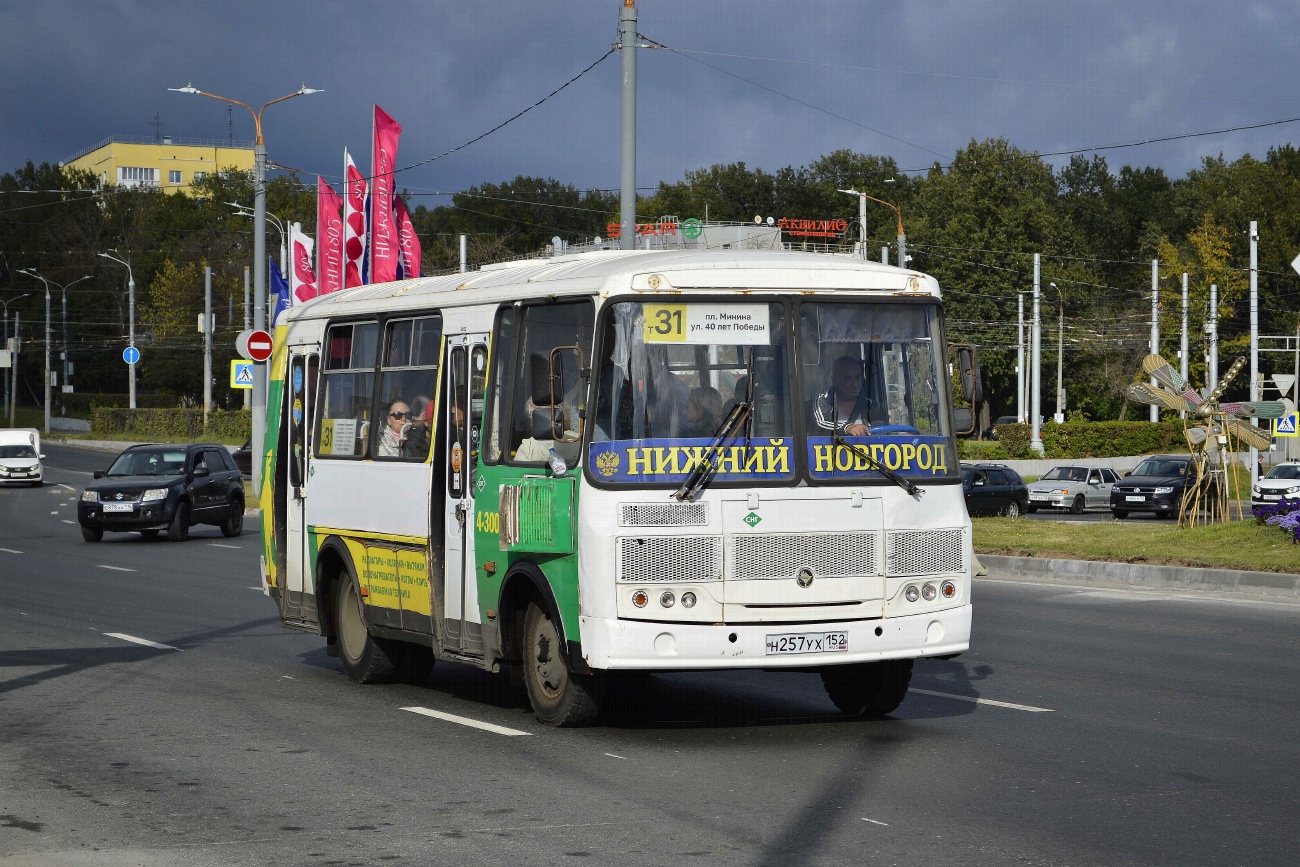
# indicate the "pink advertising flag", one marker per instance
pixel 329 235
pixel 354 222
pixel 383 232
pixel 408 242
pixel 302 279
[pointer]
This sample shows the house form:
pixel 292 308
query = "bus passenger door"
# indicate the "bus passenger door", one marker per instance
pixel 465 381
pixel 298 602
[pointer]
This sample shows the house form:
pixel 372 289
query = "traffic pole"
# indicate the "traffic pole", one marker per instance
pixel 1155 327
pixel 1213 329
pixel 259 311
pixel 1182 346
pixel 207 346
pixel 130 337
pixel 1036 352
pixel 48 333
pixel 247 325
pixel 13 372
pixel 1254 339
pixel 1020 358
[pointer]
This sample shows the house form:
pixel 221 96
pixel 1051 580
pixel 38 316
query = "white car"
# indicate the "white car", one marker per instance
pixel 20 457
pixel 1074 488
pixel 1282 481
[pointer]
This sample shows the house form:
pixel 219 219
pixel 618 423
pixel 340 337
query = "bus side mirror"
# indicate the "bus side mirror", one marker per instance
pixel 963 419
pixel 566 359
pixel 964 360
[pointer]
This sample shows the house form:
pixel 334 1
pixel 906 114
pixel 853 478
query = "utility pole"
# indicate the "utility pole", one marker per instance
pixel 627 187
pixel 1060 356
pixel 862 224
pixel 13 373
pixel 130 274
pixel 1155 326
pixel 1213 329
pixel 902 244
pixel 1182 347
pixel 1036 351
pixel 247 325
pixel 48 334
pixel 207 345
pixel 67 362
pixel 1254 339
pixel 464 254
pixel 884 255
pixel 1020 358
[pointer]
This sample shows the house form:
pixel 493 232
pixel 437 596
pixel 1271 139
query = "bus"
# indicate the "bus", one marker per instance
pixel 622 461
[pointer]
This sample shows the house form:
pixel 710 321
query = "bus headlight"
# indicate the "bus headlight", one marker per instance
pixel 911 594
pixel 666 599
pixel 929 592
pixel 688 599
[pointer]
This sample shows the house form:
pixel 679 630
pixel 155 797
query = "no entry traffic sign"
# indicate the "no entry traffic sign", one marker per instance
pixel 254 345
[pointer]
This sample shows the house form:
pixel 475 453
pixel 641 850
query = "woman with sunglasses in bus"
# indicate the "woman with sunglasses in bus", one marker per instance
pixel 396 429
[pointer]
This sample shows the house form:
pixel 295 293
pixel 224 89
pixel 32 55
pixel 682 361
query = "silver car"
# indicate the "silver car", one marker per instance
pixel 1282 481
pixel 1074 488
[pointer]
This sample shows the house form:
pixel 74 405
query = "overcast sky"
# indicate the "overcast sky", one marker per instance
pixel 1046 75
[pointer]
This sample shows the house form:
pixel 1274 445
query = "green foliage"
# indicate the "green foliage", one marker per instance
pixel 172 425
pixel 979 450
pixel 1101 439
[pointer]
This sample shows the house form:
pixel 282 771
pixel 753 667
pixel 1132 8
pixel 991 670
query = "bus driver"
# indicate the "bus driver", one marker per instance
pixel 844 405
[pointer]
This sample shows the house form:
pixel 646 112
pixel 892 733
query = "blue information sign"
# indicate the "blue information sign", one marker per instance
pixel 131 355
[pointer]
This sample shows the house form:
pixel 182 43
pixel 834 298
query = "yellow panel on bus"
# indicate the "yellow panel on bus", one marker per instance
pixel 413 573
pixel 381 571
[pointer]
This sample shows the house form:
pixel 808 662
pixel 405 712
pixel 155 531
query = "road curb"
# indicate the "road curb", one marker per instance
pixel 1277 584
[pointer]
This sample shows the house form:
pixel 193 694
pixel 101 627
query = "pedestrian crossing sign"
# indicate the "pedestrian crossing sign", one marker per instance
pixel 241 373
pixel 1285 426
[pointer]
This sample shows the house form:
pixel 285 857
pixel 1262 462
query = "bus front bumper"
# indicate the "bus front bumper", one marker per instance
pixel 632 644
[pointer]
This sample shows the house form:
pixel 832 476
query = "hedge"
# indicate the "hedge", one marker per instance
pixel 172 424
pixel 85 401
pixel 1095 439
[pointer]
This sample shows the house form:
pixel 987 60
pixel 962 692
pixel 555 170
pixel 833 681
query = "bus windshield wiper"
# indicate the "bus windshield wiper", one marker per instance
pixel 865 454
pixel 707 468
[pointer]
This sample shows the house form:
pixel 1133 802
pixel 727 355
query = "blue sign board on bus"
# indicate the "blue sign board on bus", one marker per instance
pixel 131 355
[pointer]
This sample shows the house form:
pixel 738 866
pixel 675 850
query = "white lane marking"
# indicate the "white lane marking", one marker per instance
pixel 134 640
pixel 971 698
pixel 69 487
pixel 232 547
pixel 874 822
pixel 466 721
pixel 66 521
pixel 612 756
pixel 10 551
pixel 114 568
pixel 53 513
pixel 258 588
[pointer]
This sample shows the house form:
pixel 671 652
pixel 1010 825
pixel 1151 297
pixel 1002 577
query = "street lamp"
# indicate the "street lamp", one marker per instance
pixel 1060 353
pixel 259 263
pixel 13 359
pixel 130 336
pixel 862 217
pixel 245 211
pixel 64 288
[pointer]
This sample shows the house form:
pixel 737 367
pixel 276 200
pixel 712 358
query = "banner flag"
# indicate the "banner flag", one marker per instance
pixel 329 237
pixel 408 262
pixel 279 292
pixel 354 222
pixel 302 278
pixel 383 231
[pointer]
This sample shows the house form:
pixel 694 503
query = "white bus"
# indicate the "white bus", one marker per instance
pixel 622 461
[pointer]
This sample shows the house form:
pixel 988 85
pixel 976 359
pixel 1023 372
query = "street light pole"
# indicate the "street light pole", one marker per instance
pixel 49 331
pixel 1020 358
pixel 862 216
pixel 259 263
pixel 130 337
pixel 627 179
pixel 1060 354
pixel 13 357
pixel 1036 353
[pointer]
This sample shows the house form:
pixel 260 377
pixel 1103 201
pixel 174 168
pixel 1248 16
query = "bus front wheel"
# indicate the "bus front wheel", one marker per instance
pixel 868 689
pixel 559 696
pixel 365 658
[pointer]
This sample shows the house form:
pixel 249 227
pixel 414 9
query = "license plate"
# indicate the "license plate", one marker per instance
pixel 118 507
pixel 1132 499
pixel 1038 496
pixel 808 642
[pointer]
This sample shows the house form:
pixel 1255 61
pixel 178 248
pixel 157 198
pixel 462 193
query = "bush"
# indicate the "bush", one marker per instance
pixel 80 404
pixel 975 450
pixel 172 424
pixel 1095 439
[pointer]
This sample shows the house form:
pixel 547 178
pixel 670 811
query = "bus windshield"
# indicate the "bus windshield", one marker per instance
pixel 864 390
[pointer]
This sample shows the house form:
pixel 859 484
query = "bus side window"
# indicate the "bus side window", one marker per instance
pixel 545 327
pixel 348 384
pixel 409 381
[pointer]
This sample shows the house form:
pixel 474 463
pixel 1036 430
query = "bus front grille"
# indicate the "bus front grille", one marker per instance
pixel 924 552
pixel 663 514
pixel 782 555
pixel 669 558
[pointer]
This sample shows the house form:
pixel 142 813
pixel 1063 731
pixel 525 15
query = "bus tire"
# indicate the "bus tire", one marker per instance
pixel 365 658
pixel 868 689
pixel 559 696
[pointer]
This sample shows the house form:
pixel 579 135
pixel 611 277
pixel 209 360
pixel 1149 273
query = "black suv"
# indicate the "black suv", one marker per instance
pixel 150 488
pixel 1156 486
pixel 994 489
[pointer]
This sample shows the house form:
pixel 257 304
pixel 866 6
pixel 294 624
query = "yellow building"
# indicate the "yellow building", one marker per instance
pixel 167 163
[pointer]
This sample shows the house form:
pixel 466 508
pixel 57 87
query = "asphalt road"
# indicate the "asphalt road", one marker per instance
pixel 1085 727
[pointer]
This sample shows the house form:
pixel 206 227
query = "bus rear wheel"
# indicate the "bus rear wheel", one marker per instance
pixel 366 659
pixel 559 696
pixel 868 689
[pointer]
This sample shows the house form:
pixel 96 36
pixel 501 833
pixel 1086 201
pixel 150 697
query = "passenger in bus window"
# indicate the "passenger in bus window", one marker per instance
pixel 844 406
pixel 703 412
pixel 397 425
pixel 417 440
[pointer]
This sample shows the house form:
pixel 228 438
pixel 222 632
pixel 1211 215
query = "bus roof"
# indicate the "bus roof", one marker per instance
pixel 619 271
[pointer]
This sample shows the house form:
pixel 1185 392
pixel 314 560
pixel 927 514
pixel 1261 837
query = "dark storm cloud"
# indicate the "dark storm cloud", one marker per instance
pixel 1048 76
